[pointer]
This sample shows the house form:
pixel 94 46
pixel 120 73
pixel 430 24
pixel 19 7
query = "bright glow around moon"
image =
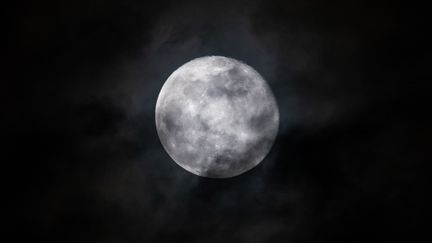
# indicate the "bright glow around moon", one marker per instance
pixel 216 117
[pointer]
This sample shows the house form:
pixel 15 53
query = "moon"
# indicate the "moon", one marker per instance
pixel 216 117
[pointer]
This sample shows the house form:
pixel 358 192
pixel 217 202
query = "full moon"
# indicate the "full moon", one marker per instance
pixel 216 117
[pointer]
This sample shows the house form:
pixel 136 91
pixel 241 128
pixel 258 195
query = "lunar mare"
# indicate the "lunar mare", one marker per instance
pixel 216 117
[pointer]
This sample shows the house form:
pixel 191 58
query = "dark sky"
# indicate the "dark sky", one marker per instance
pixel 83 162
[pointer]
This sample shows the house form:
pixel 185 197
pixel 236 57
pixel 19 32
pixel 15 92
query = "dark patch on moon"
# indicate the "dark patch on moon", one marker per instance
pixel 262 120
pixel 230 93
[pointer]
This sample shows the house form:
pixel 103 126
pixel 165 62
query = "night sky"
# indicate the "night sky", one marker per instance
pixel 83 162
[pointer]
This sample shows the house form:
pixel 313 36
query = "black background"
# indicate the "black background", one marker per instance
pixel 83 162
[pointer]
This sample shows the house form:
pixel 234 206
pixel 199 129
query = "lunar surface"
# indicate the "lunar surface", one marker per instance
pixel 216 117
